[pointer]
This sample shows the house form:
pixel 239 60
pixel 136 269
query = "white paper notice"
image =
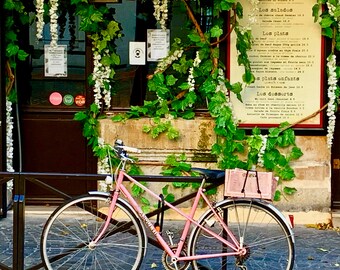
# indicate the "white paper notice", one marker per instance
pixel 56 61
pixel 137 53
pixel 158 44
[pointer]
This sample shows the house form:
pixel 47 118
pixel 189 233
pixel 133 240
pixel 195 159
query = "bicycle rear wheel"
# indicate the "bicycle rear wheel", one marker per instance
pixel 268 239
pixel 72 226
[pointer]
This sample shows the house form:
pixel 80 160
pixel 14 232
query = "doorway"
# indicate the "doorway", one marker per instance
pixel 51 140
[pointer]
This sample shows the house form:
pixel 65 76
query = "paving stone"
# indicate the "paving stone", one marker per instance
pixel 315 249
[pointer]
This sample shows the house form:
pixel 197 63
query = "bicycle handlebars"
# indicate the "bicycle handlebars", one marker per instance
pixel 121 149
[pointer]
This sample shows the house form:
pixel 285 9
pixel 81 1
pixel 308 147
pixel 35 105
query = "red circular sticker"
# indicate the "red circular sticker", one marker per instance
pixel 56 98
pixel 79 100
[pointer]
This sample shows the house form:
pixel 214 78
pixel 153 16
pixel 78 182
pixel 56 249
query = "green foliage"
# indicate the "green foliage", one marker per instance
pixel 161 126
pixel 89 118
pixel 176 165
pixel 16 17
pixel 98 22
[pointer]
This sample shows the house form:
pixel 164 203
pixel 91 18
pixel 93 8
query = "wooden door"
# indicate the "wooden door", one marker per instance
pixel 51 140
pixel 336 166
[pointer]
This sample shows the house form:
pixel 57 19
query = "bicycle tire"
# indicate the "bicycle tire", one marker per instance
pixel 266 235
pixel 71 227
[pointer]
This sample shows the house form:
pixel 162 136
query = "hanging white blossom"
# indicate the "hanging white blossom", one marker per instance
pixel 332 86
pixel 101 76
pixel 191 78
pixel 54 22
pixel 260 160
pixel 222 88
pixel 39 6
pixel 167 61
pixel 161 12
pixel 9 141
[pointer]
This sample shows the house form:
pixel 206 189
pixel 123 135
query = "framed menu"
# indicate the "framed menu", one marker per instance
pixel 287 59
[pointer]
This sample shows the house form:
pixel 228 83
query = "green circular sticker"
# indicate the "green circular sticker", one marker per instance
pixel 68 100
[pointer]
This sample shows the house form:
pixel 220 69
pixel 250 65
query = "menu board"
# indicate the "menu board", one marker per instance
pixel 287 61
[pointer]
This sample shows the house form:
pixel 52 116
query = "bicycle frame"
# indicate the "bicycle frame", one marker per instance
pixel 236 247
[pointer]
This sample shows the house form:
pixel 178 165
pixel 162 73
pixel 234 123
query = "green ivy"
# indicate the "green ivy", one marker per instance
pixel 16 17
pixel 177 99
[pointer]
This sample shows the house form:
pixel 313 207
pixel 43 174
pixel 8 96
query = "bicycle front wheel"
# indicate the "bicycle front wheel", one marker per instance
pixel 259 227
pixel 66 237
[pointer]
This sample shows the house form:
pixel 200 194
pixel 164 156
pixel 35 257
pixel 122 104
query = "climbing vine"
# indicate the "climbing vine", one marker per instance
pixel 192 76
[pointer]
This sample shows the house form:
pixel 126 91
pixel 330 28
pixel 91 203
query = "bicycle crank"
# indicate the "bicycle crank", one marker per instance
pixel 178 265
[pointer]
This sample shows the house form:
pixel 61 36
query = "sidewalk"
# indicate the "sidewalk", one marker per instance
pixel 315 249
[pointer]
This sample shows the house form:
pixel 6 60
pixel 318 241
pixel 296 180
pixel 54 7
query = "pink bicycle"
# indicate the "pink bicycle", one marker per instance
pixel 104 231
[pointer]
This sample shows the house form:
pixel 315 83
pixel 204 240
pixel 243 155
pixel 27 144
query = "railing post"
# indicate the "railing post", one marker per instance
pixel 3 188
pixel 19 222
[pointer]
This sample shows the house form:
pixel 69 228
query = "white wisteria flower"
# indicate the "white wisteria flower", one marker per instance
pixel 332 106
pixel 191 77
pixel 39 7
pixel 161 12
pixel 54 22
pixel 167 61
pixel 9 142
pixel 101 77
pixel 262 150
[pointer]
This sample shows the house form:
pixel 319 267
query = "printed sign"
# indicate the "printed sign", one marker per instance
pixel 56 61
pixel 286 59
pixel 158 44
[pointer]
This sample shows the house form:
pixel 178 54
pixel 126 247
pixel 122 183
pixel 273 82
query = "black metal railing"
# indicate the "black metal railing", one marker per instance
pixel 19 203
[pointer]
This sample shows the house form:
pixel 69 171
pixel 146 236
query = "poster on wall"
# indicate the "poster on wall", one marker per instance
pixel 158 44
pixel 56 61
pixel 287 60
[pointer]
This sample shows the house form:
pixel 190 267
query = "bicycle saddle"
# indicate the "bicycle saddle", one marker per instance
pixel 210 174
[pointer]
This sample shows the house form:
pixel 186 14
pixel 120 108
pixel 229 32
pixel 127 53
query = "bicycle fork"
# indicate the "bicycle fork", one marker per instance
pixel 114 198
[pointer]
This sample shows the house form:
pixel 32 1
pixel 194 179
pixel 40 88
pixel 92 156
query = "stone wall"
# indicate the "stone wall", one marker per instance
pixel 312 169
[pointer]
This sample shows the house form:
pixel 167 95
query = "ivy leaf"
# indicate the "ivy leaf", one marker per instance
pixel 165 190
pixel 248 77
pixel 286 173
pixel 170 198
pixel 296 153
pixel 194 37
pixel 172 133
pixel 118 117
pixel 22 55
pixel 170 80
pixel 316 11
pixel 277 195
pixel 146 129
pixel 216 31
pixel 11 36
pixel 274 132
pixel 239 10
pixel 326 22
pixel 327 32
pixel 289 190
pixel 145 201
pixel 80 116
pixel 188 115
pixel 12 50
